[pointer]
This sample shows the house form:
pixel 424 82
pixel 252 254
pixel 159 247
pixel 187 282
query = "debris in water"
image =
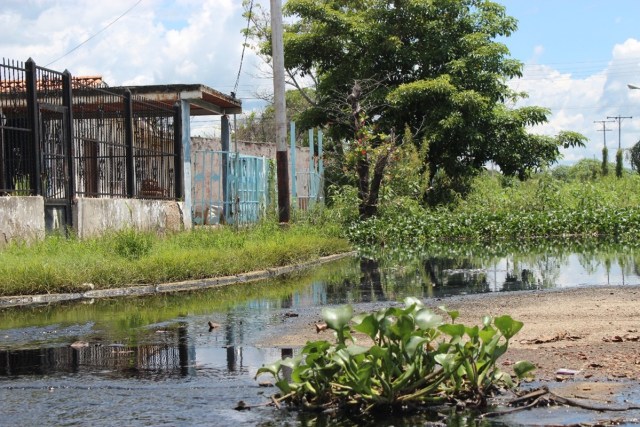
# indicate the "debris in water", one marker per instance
pixel 241 406
pixel 563 371
pixel 321 327
pixel 79 344
pixel 212 325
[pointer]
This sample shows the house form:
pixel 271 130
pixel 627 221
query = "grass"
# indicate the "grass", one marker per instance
pixel 128 257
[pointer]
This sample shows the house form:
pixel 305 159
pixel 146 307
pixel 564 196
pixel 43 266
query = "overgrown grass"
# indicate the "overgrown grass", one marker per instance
pixel 128 257
pixel 499 209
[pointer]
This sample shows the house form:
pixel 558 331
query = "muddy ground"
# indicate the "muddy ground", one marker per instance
pixel 593 333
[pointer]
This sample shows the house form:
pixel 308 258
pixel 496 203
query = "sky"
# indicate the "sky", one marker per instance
pixel 579 55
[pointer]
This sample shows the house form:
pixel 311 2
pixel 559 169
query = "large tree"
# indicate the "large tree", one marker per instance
pixel 432 65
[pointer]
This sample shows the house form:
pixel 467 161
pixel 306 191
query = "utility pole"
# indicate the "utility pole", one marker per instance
pixel 604 129
pixel 277 52
pixel 619 119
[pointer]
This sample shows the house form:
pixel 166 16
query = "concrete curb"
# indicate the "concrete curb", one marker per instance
pixel 188 285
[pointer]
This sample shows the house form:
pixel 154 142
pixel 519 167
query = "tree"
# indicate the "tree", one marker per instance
pixel 260 126
pixel 634 157
pixel 619 165
pixel 605 161
pixel 433 65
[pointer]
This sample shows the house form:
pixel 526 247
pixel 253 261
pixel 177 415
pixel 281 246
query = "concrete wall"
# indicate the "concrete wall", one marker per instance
pixel 21 219
pixel 261 149
pixel 92 217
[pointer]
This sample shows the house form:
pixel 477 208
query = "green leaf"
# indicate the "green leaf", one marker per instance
pixel 507 326
pixel 271 368
pixel 337 318
pixel 447 361
pixel 414 343
pixel 452 330
pixel 368 325
pixel 487 334
pixel 523 369
pixel 409 301
pixel 403 326
pixel 454 314
pixel 378 352
pixel 355 350
pixel 427 319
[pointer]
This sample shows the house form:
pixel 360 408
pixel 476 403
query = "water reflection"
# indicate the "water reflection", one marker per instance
pixel 172 354
pixel 142 351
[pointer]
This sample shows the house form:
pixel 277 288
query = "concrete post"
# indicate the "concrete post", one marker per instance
pixel 294 184
pixel 185 115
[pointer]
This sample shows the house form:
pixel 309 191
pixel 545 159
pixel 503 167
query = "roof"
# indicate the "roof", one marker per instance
pixel 204 100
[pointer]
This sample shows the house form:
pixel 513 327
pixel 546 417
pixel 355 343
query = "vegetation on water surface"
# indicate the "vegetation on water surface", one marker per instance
pixel 415 358
pixel 568 201
pixel 58 264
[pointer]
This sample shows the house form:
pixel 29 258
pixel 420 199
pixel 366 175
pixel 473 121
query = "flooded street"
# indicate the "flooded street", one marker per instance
pixel 156 361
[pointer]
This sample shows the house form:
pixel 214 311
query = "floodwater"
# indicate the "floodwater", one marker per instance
pixel 154 360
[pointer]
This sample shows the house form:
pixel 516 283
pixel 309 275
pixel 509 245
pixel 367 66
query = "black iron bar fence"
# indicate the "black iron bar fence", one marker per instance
pixel 62 136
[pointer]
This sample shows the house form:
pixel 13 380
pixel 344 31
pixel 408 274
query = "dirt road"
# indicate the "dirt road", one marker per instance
pixel 594 331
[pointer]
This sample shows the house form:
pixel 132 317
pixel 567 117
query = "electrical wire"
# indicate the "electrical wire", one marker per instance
pixel 95 34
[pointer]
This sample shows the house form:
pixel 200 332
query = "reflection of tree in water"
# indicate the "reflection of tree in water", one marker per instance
pixel 370 288
pixel 456 273
pixel 526 280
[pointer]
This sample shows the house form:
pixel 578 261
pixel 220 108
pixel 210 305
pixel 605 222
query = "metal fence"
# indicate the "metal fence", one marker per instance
pixel 62 136
pixel 124 145
pixel 228 187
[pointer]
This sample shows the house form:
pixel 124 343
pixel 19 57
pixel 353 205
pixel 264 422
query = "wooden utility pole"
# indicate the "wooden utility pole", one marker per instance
pixel 604 129
pixel 619 119
pixel 282 163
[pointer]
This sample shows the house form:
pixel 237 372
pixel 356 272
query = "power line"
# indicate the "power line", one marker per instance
pixel 94 35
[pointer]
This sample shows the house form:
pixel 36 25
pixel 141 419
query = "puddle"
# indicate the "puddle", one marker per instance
pixel 155 361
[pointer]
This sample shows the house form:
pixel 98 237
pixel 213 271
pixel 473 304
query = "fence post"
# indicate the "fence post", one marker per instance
pixel 312 168
pixel 67 101
pixel 185 114
pixel 320 167
pixel 33 122
pixel 294 183
pixel 177 151
pixel 128 140
pixel 224 146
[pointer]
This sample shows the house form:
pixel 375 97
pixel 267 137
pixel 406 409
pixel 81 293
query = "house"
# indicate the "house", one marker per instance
pixel 78 155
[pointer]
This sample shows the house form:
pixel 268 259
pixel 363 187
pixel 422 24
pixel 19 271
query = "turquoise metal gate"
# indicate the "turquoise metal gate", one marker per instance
pixel 228 187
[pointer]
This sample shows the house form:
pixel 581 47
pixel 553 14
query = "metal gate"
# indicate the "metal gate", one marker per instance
pixel 55 160
pixel 228 187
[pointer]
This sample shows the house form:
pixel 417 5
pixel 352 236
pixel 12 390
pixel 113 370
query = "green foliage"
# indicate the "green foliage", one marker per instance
pixel 584 170
pixel 66 265
pixel 543 206
pixel 634 156
pixel 619 165
pixel 605 161
pixel 414 357
pixel 433 66
pixel 132 244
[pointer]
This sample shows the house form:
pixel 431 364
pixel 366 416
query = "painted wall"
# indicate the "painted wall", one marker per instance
pixel 262 149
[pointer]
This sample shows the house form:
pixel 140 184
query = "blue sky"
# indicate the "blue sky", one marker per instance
pixel 579 55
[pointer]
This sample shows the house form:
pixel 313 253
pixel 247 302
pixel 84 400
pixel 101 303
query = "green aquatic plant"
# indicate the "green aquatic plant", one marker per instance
pixel 413 357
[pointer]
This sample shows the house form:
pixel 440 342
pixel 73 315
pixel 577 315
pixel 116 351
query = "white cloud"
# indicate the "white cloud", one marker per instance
pixel 591 92
pixel 157 42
